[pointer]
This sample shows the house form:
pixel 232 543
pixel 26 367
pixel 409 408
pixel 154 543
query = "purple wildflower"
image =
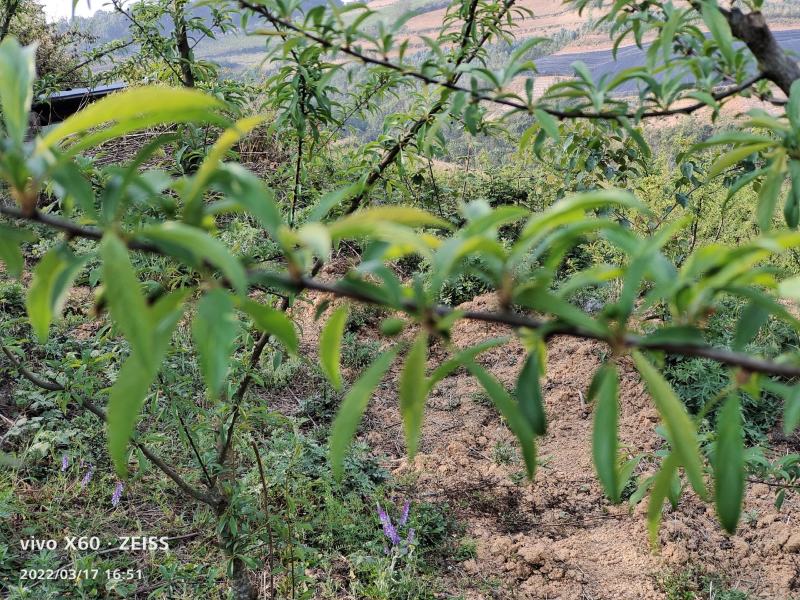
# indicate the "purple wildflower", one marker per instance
pixel 410 539
pixel 88 477
pixel 388 529
pixel 404 516
pixel 117 494
pixel 64 462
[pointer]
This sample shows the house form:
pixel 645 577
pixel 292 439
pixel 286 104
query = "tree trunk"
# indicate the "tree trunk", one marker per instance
pixel 182 43
pixel 11 9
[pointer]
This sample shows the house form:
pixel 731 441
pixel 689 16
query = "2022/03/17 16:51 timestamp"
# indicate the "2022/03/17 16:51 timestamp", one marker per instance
pixel 73 574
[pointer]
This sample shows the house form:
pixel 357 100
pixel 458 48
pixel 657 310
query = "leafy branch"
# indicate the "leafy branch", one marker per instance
pixel 506 318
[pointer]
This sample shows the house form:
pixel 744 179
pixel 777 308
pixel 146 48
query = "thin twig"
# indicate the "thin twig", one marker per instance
pixel 210 499
pixel 269 524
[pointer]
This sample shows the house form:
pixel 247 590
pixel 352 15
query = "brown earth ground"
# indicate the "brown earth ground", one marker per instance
pixel 559 538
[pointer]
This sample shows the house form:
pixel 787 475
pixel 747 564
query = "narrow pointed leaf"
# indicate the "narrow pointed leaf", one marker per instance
pixel 330 346
pixel 52 279
pixel 125 300
pixel 753 317
pixel 791 411
pixel 352 409
pixel 214 330
pixel 513 415
pixel 659 493
pixel 126 399
pixel 605 444
pixel 729 464
pixel 203 247
pixel 274 322
pixel 413 390
pixel 529 394
pixel 17 72
pixel 136 376
pixel 680 427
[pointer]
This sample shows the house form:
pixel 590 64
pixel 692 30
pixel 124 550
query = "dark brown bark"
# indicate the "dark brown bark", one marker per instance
pixel 182 43
pixel 753 30
pixel 8 14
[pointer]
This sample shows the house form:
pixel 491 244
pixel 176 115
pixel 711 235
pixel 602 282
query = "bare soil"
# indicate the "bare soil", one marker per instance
pixel 558 537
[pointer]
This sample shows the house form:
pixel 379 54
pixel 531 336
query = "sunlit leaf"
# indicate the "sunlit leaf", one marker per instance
pixel 136 109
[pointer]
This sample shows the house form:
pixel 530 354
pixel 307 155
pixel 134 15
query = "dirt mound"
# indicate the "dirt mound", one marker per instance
pixel 559 537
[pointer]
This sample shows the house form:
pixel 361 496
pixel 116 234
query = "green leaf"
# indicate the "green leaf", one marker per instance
pixel 331 200
pixel 194 194
pixel 52 278
pixel 753 317
pixel 529 393
pixel 605 442
pixel 573 209
pixel 214 329
pixel 17 73
pixel 330 346
pixel 768 195
pixel 720 30
pixel 729 464
pixel 136 376
pixel 513 415
pixel 791 410
pixel 352 409
pixel 462 358
pixel 274 322
pixel 10 254
pixel 545 302
pixel 249 192
pixel 661 489
pixel 125 402
pixel 134 109
pixel 202 246
pixel 413 390
pixel 681 429
pixel 363 221
pixel 735 156
pixel 678 334
pixel 791 208
pixel 125 300
pixel 793 107
pixel 548 124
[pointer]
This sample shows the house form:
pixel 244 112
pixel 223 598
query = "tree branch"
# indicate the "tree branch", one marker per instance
pixel 266 279
pixel 452 84
pixel 551 328
pixel 753 30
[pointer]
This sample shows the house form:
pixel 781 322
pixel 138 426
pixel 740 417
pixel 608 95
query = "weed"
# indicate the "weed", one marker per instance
pixel 694 584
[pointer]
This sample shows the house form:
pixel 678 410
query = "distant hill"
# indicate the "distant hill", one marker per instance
pixel 107 26
pixel 569 32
